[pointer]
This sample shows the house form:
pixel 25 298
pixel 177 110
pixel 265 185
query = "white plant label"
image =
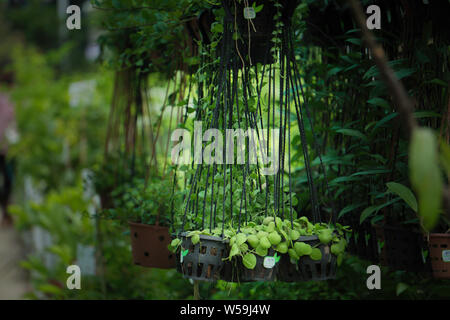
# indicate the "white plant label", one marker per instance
pixel 269 262
pixel 446 255
pixel 249 13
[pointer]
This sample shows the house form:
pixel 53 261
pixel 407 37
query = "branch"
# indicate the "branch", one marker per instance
pixel 403 102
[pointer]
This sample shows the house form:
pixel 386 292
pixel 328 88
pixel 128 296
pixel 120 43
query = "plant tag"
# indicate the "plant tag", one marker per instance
pixel 446 255
pixel 249 13
pixel 183 253
pixel 270 262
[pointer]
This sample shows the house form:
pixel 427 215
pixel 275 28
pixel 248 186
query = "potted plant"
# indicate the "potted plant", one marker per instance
pixel 409 249
pixel 145 206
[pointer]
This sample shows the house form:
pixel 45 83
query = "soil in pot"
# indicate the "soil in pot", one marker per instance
pixel 439 245
pixel 149 246
pixel 204 260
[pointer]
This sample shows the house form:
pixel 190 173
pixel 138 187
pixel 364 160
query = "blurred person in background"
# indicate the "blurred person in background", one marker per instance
pixel 8 134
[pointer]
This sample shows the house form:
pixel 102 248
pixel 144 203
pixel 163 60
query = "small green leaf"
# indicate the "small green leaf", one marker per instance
pixel 234 250
pixel 401 287
pixel 259 8
pixel 195 239
pixel 350 208
pixel 367 213
pixel 249 261
pixel 241 238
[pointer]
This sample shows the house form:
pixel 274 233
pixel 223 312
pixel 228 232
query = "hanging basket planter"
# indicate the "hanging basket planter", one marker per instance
pixel 402 249
pixel 149 246
pixel 307 269
pixel 203 260
pixel 232 198
pixel 439 245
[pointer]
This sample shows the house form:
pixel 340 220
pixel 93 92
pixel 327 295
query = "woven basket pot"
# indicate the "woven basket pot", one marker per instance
pixel 149 246
pixel 306 268
pixel 402 249
pixel 439 245
pixel 204 260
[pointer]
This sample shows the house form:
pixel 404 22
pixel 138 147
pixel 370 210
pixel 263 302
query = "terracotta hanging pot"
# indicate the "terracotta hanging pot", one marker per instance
pixel 149 246
pixel 439 245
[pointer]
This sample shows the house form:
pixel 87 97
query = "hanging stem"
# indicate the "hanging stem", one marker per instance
pixel 196 290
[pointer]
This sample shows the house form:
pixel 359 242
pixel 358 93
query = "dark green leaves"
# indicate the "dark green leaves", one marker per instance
pixel 403 192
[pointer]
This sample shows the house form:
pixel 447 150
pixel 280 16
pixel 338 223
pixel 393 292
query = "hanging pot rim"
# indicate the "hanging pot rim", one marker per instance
pixel 203 236
pixel 145 225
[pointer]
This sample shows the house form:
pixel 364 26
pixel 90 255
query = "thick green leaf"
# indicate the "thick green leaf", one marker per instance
pixel 425 175
pixel 403 192
pixel 249 261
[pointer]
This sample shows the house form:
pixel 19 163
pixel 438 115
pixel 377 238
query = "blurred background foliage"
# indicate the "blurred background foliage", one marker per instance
pixel 358 130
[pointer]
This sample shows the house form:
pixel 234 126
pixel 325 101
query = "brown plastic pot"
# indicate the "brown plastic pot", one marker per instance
pixel 149 246
pixel 439 244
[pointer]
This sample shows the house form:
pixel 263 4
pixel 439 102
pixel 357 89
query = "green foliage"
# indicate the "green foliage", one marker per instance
pixel 53 136
pixel 283 236
pixel 143 202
